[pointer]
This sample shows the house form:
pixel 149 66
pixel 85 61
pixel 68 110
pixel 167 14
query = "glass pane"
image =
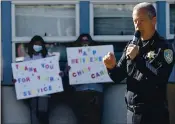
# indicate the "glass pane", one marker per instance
pixel 113 26
pixel 113 19
pixel 53 48
pixel 45 20
pixel 172 18
pixel 21 51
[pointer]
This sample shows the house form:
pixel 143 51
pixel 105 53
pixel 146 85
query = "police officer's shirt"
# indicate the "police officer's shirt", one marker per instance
pixel 147 75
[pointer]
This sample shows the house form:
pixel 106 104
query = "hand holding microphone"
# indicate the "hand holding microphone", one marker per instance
pixel 132 49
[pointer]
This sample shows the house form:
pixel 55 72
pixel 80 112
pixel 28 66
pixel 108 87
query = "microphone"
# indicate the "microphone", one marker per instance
pixel 135 40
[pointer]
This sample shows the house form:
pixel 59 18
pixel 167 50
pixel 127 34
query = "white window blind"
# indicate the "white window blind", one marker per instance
pixel 45 20
pixel 113 19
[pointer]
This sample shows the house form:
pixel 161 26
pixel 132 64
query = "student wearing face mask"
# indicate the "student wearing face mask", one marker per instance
pixel 36 49
pixel 39 106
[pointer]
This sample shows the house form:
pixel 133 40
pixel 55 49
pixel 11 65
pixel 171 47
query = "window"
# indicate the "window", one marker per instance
pixel 44 20
pixel 112 21
pixel 56 21
pixel 21 50
pixel 172 18
pixel 170 13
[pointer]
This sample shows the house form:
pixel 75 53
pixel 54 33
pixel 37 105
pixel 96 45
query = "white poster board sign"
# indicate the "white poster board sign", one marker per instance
pixel 37 77
pixel 87 64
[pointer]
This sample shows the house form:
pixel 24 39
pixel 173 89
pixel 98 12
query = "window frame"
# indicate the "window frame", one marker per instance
pixel 48 39
pixel 62 39
pixel 168 35
pixel 113 38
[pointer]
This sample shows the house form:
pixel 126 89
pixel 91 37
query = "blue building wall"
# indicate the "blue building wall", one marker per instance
pixel 84 17
pixel 84 28
pixel 6 41
pixel 161 17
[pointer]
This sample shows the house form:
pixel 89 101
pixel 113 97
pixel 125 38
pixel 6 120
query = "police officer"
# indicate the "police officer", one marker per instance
pixel 146 67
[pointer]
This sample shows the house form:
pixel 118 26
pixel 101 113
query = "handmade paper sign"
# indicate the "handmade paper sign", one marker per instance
pixel 37 77
pixel 87 65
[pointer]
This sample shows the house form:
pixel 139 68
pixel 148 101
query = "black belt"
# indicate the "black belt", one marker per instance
pixel 141 107
pixel 135 109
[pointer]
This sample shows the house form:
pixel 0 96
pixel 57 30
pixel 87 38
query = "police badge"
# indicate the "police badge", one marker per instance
pixel 151 55
pixel 168 55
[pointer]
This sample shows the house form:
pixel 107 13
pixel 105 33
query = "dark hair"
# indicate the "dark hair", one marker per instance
pixel 31 51
pixel 84 39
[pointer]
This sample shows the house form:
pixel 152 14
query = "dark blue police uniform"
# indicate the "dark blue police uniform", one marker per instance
pixel 146 78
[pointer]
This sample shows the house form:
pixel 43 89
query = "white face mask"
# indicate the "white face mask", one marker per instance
pixel 37 48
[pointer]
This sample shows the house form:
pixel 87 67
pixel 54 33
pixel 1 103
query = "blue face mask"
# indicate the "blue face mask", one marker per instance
pixel 37 48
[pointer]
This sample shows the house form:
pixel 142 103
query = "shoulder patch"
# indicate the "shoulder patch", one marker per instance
pixel 168 55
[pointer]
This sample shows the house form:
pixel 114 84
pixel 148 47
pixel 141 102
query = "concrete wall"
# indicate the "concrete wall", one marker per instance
pixel 16 112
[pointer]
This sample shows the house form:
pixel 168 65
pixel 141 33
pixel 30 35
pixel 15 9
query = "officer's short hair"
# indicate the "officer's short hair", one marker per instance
pixel 149 8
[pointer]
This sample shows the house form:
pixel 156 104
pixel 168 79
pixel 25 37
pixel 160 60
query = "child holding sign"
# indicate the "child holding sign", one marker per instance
pixel 38 105
pixel 87 100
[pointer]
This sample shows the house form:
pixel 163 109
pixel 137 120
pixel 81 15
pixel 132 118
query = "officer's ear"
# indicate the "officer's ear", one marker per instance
pixel 154 20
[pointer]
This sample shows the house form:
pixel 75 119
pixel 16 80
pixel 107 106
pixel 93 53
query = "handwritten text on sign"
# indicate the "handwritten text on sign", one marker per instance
pixel 37 77
pixel 87 64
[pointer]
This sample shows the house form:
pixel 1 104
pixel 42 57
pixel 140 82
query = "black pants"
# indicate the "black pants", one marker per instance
pixel 154 115
pixel 87 106
pixel 39 110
